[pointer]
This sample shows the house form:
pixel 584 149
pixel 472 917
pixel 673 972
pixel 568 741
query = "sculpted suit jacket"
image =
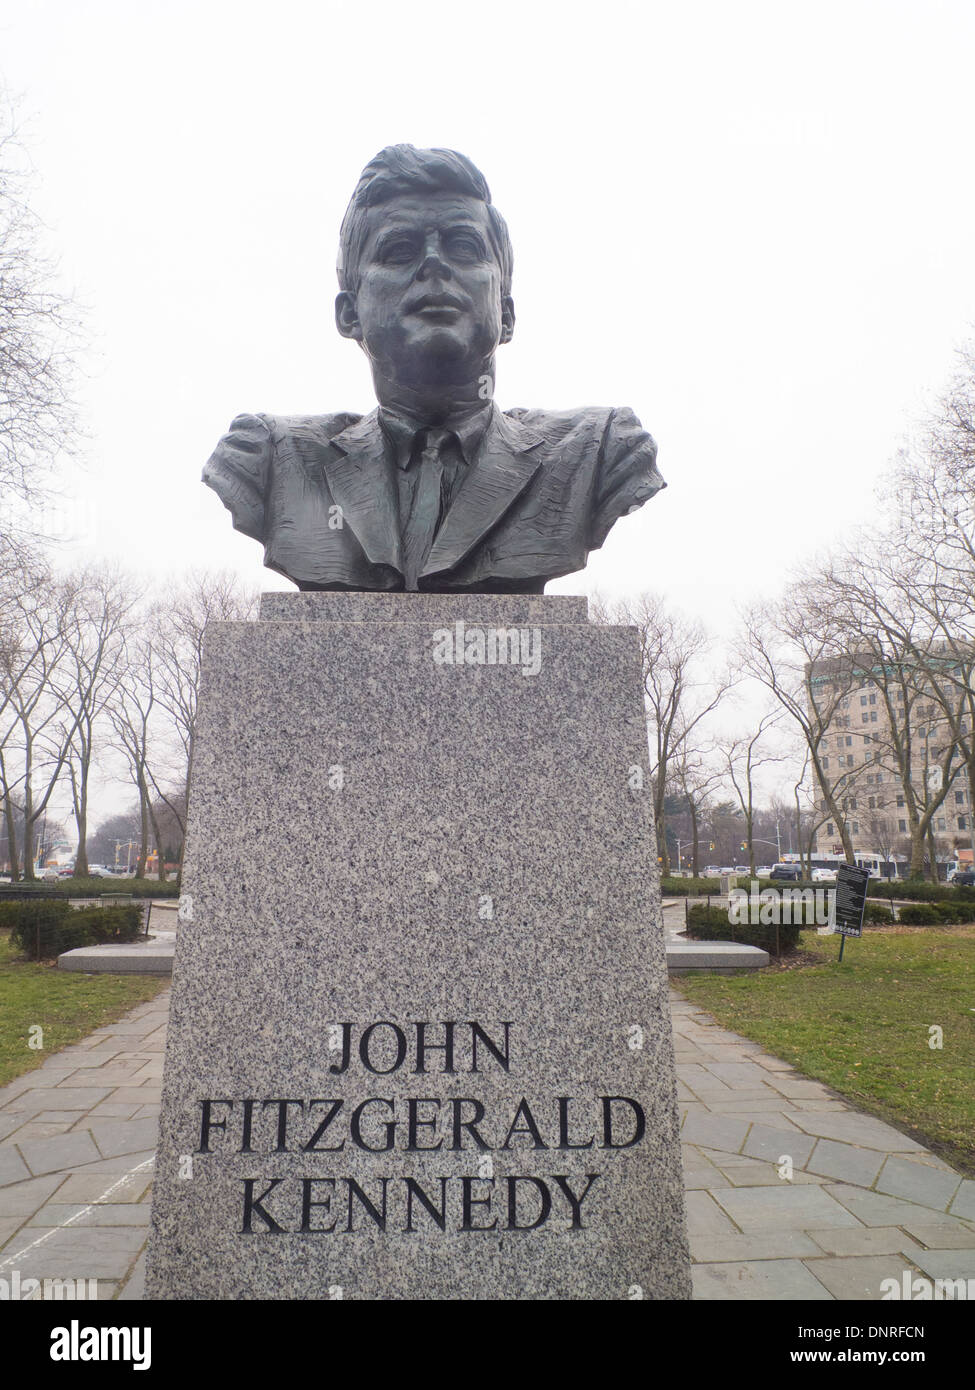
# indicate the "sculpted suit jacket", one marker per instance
pixel 543 490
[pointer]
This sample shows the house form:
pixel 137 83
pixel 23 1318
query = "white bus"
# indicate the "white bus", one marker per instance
pixel 878 865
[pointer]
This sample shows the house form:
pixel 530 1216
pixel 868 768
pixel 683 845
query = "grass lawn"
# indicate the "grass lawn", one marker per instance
pixel 863 1027
pixel 67 1006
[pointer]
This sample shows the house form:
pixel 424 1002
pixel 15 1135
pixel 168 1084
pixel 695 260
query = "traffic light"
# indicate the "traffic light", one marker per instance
pixel 744 844
pixel 711 845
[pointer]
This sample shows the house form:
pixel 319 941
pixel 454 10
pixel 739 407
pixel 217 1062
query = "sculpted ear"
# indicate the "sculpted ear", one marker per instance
pixel 507 318
pixel 347 316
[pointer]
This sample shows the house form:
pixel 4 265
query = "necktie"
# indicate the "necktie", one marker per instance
pixel 424 514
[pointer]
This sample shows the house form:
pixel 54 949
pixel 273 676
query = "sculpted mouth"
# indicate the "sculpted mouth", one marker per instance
pixel 436 303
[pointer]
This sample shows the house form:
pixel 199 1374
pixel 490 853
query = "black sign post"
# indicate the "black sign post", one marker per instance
pixel 851 900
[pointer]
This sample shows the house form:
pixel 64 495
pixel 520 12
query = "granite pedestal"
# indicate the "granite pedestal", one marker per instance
pixel 419 1044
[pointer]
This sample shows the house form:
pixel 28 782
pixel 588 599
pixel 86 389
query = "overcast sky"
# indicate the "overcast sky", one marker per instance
pixel 753 223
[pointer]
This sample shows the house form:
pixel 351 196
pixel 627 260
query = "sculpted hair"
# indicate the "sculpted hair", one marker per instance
pixel 406 169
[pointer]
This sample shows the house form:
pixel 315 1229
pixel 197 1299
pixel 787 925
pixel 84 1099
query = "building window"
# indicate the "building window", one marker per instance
pixel 942 824
pixel 962 822
pixel 902 826
pixel 826 764
pixel 872 803
pixel 959 798
pixel 873 716
pixel 829 827
pixel 849 741
pixel 864 717
pixel 863 699
pixel 900 801
pixel 855 827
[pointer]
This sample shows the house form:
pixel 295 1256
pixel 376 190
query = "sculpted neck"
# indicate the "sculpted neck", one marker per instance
pixel 435 404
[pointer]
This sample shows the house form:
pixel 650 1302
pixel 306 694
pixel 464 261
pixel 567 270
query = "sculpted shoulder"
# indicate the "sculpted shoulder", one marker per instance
pixel 595 420
pixel 316 427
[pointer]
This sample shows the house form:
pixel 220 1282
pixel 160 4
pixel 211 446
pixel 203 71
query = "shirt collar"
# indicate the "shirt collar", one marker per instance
pixel 402 430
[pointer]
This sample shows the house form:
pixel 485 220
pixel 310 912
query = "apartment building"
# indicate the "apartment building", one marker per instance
pixel 877 723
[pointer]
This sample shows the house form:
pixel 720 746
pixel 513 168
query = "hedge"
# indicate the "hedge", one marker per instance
pixel 935 914
pixel 56 888
pixel 875 915
pixel 712 924
pixel 917 890
pixel 45 929
pixel 903 889
pixel 689 887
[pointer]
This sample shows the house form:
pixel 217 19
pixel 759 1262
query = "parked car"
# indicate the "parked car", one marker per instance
pixel 824 875
pixel 727 871
pixel 763 870
pixel 790 872
pixel 964 878
pixel 712 871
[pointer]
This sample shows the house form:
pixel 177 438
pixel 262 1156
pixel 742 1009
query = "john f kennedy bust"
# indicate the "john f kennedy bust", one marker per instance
pixel 438 489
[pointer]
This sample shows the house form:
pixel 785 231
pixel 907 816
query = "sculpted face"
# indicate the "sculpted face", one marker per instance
pixel 429 308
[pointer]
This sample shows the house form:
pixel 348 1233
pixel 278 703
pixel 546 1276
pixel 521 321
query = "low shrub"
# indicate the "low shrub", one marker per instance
pixel 88 888
pixel 712 924
pixel 920 915
pixel 46 928
pixel 689 887
pixel 877 915
pixel 918 891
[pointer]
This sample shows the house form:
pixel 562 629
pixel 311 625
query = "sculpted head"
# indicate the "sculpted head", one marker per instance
pixel 425 269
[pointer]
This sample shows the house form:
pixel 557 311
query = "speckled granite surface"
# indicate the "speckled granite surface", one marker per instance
pixel 380 835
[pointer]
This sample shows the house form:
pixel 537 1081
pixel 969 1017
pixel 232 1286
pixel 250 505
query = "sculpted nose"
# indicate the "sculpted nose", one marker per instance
pixel 433 266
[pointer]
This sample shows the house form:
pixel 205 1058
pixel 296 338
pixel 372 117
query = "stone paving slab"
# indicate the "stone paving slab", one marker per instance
pixel 864 1202
pixel 918 1183
pixel 771 1280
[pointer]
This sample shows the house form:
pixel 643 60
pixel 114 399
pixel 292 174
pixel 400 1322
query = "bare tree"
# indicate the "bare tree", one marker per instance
pixel 680 691
pixel 95 666
pixel 38 346
pixel 742 757
pixel 37 725
pixel 130 713
pixel 176 632
pixel 921 678
pixel 795 649
pixel 694 781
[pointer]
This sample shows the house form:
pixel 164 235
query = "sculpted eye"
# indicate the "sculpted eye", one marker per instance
pixel 466 246
pixel 396 252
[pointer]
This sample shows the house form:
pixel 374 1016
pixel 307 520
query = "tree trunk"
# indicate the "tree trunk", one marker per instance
pixel 79 796
pixel 932 854
pixel 695 846
pixel 140 868
pixel 28 855
pixel 11 823
pixel 160 854
pixel 662 843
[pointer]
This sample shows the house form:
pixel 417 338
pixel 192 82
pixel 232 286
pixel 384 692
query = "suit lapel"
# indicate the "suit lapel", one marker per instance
pixel 503 469
pixel 360 479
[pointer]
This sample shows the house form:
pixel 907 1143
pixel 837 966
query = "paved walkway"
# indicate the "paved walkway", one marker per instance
pixel 863 1203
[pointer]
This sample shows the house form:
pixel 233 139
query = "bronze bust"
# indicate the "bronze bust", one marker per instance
pixel 437 490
